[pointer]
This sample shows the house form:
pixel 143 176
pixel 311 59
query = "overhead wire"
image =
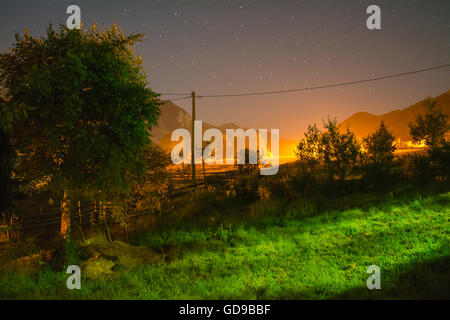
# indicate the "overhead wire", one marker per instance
pixel 333 85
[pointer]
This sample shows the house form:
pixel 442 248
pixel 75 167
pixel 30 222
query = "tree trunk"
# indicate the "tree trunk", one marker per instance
pixel 65 217
pixel 80 222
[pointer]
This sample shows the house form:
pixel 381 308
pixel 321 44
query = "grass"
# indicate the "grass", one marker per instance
pixel 292 252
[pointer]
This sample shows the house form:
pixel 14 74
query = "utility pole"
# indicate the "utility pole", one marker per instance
pixel 192 139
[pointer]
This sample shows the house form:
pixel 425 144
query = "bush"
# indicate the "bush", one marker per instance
pixel 440 162
pixel 341 151
pixel 277 187
pixel 267 208
pixel 378 161
pixel 301 209
pixel 245 188
pixel 418 169
pixel 304 183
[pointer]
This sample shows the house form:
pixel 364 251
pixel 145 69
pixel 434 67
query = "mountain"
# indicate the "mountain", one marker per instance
pixel 364 123
pixel 173 117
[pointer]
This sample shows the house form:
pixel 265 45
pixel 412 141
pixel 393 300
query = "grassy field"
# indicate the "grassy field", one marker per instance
pixel 285 254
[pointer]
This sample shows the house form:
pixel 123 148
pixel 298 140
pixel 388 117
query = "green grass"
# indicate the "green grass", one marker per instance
pixel 287 254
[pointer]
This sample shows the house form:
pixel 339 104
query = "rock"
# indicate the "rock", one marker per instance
pixel 98 268
pixel 108 259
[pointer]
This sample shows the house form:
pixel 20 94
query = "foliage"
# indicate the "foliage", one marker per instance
pixel 439 159
pixel 310 148
pixel 280 186
pixel 320 257
pixel 431 127
pixel 378 160
pixel 8 115
pixel 305 183
pixel 148 187
pixel 88 110
pixel 341 151
pixel 245 188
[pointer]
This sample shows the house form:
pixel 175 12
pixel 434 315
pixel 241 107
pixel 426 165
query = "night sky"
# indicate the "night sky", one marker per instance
pixel 260 45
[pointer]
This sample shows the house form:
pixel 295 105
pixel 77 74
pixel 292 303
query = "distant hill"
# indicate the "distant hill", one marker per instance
pixel 173 117
pixel 364 123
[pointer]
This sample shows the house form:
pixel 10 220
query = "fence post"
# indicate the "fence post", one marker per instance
pixel 5 222
pixel 80 222
pixel 105 221
pixel 99 211
pixel 107 233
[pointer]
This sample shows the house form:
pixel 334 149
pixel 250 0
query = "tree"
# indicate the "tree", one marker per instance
pixel 431 127
pixel 89 111
pixel 8 114
pixel 310 148
pixel 341 151
pixel 380 146
pixel 147 187
pixel 380 154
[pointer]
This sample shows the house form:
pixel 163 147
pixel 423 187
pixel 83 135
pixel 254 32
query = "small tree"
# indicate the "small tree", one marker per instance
pixel 149 186
pixel 88 111
pixel 380 146
pixel 431 127
pixel 341 151
pixel 310 148
pixel 380 154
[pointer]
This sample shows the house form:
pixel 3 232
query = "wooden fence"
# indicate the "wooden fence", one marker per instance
pixel 88 214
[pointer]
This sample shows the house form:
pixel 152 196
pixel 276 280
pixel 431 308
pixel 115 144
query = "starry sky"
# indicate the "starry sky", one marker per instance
pixel 222 47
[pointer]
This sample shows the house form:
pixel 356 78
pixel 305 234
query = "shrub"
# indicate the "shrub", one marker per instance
pixel 309 148
pixel 378 161
pixel 301 208
pixel 304 183
pixel 341 151
pixel 268 208
pixel 245 188
pixel 278 187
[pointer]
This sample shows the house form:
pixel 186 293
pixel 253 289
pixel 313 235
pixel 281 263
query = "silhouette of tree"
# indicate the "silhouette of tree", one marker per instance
pixel 341 151
pixel 380 155
pixel 310 148
pixel 431 127
pixel 88 110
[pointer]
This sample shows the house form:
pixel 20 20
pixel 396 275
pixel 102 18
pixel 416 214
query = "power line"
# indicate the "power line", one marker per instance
pixel 324 86
pixel 174 94
pixel 188 97
pixel 339 84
